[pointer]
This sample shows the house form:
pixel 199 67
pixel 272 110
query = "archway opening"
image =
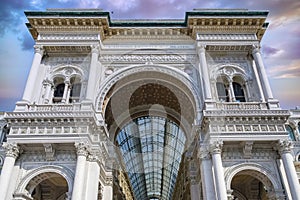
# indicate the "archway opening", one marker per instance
pixel 149 116
pixel 48 186
pixel 250 184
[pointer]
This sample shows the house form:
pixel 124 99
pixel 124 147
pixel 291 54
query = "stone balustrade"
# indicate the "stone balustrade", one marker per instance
pixel 241 106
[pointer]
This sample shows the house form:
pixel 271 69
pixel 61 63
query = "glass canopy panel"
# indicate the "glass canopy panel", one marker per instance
pixel 151 148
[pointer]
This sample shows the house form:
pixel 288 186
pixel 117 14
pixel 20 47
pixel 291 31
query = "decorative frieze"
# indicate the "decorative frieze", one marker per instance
pixel 222 127
pixel 49 130
pixel 133 58
pixel 40 157
pixel 84 61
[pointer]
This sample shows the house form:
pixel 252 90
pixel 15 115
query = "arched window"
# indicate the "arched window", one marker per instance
pixel 222 92
pixel 75 90
pixel 238 92
pixel 290 131
pixel 4 134
pixel 58 90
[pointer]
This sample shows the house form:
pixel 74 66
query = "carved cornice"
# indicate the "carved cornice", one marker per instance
pixel 11 149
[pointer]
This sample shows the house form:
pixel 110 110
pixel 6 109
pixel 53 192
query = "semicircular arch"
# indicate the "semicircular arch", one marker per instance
pixel 255 170
pixel 66 173
pixel 134 69
pixel 229 70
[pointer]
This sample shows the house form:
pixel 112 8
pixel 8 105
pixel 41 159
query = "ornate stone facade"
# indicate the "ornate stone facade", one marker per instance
pixel 92 79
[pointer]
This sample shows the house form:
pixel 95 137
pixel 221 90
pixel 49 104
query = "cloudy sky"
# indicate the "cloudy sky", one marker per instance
pixel 280 45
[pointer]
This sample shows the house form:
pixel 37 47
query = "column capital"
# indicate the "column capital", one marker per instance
pixel 82 149
pixel 203 153
pixel 216 147
pixel 47 82
pixel 201 48
pixel 39 49
pixel 11 149
pixel 95 48
pixel 255 49
pixel 93 158
pixel 284 146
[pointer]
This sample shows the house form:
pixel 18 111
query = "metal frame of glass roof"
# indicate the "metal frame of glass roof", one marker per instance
pixel 151 148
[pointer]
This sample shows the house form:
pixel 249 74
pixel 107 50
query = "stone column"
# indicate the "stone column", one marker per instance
pixel 231 92
pixel 66 89
pixel 261 93
pixel 93 73
pixel 216 149
pixel 34 73
pixel 78 187
pixel 48 88
pixel 262 72
pixel 12 152
pixel 284 149
pixel 206 174
pixel 108 188
pixel 93 177
pixel 204 70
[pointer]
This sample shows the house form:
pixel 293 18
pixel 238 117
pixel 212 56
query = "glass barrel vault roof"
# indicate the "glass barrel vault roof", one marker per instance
pixel 151 148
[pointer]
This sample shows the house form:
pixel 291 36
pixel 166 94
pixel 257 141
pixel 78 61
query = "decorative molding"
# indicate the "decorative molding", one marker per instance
pixel 50 151
pixel 247 148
